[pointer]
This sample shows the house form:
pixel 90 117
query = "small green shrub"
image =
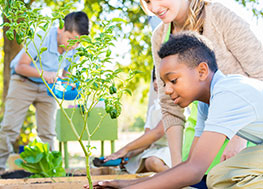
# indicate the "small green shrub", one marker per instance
pixel 38 159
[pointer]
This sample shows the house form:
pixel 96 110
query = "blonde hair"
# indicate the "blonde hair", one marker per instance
pixel 195 17
pixel 145 9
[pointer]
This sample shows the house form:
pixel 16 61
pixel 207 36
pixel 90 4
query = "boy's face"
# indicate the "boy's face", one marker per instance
pixel 181 82
pixel 63 37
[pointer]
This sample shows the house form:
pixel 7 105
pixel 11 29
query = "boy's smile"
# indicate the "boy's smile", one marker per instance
pixel 181 82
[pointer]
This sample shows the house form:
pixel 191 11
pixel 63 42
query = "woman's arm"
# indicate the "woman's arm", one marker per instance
pixel 142 142
pixel 173 118
pixel 175 139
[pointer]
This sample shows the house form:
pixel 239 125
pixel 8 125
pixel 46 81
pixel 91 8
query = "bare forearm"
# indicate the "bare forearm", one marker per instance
pixel 27 70
pixel 136 152
pixel 135 145
pixel 147 138
pixel 143 141
pixel 172 178
pixel 175 137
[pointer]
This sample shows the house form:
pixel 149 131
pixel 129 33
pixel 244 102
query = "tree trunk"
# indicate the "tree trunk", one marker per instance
pixel 11 48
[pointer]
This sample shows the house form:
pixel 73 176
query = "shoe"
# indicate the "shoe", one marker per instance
pixel 2 171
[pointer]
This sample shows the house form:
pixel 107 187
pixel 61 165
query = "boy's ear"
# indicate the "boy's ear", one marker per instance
pixel 203 71
pixel 60 30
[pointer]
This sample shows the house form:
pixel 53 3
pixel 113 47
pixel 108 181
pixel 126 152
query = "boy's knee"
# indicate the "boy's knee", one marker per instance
pixel 216 175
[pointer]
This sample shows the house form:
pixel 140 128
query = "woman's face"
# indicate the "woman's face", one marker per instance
pixel 166 10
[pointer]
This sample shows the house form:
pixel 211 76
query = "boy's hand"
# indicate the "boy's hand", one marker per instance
pixel 110 184
pixel 235 145
pixel 50 77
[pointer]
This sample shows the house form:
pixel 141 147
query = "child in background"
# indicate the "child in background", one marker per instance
pixel 150 158
pixel 26 87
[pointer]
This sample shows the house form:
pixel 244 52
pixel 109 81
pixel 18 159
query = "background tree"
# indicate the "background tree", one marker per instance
pixel 253 5
pixel 136 34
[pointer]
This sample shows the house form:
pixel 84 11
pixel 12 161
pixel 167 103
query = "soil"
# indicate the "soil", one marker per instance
pixel 15 174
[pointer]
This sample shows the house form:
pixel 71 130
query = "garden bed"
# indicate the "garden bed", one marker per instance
pixel 69 182
pixel 60 182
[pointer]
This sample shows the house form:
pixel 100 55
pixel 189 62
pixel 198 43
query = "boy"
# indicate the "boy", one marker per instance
pixel 228 105
pixel 26 87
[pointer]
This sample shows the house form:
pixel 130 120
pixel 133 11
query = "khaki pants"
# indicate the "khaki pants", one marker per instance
pixel 21 94
pixel 245 170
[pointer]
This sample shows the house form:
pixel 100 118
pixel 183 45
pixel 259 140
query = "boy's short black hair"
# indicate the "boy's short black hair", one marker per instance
pixel 78 22
pixel 191 48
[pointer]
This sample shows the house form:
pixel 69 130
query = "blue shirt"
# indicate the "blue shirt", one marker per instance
pixel 49 58
pixel 236 107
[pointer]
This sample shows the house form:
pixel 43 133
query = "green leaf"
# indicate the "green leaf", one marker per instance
pixel 118 20
pixel 19 38
pixel 30 33
pixel 108 53
pixel 40 37
pixel 118 71
pixel 10 34
pixel 128 91
pixel 43 49
pixel 61 23
pixel 46 26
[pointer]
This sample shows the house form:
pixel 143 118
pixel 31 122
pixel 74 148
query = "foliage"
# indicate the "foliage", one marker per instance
pixel 96 81
pixel 253 5
pixel 137 33
pixel 88 68
pixel 24 22
pixel 38 159
pixel 138 124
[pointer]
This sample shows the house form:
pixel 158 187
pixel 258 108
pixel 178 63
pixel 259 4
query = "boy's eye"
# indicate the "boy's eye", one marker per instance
pixel 173 81
pixel 147 1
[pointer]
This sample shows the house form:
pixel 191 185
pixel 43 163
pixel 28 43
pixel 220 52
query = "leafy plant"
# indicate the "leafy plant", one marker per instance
pixel 96 82
pixel 38 159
